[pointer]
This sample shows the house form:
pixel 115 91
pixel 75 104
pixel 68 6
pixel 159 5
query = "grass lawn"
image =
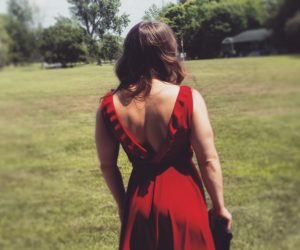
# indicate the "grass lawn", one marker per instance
pixel 52 195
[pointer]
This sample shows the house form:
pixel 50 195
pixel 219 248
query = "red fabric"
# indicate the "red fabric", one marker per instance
pixel 165 207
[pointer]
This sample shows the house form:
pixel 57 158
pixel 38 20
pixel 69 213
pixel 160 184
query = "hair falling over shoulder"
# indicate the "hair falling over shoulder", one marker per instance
pixel 149 51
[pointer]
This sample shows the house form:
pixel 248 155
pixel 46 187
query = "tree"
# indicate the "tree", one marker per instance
pixel 203 24
pixel 292 32
pixel 21 29
pixel 287 10
pixel 99 16
pixel 175 17
pixel 256 13
pixel 152 13
pixel 110 47
pixel 4 42
pixel 182 18
pixel 63 42
pixel 271 8
pixel 220 20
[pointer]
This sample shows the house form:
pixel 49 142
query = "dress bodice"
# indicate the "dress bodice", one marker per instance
pixel 175 149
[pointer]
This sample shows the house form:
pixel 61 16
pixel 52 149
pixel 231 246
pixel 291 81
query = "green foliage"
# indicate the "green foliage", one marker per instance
pixel 227 18
pixel 292 32
pixel 20 27
pixel 272 7
pixel 223 19
pixel 110 47
pixel 183 18
pixel 63 42
pixel 278 23
pixel 93 50
pixel 204 24
pixel 152 13
pixel 4 42
pixel 175 17
pixel 255 13
pixel 21 11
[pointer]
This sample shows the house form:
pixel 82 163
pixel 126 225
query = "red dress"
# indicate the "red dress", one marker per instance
pixel 165 207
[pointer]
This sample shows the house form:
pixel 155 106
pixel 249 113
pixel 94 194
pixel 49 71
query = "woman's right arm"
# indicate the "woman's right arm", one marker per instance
pixel 107 151
pixel 202 140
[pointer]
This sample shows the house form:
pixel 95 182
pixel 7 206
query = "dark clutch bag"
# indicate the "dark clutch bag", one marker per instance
pixel 221 235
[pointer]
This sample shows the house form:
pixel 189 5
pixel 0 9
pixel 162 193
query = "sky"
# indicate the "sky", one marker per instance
pixel 53 8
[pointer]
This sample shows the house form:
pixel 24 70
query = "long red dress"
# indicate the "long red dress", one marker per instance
pixel 165 207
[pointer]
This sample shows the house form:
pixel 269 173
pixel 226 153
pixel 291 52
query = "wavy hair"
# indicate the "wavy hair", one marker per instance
pixel 149 51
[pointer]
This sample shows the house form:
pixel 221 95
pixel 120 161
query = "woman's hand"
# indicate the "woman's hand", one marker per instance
pixel 222 213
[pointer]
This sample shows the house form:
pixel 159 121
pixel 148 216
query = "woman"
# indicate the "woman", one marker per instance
pixel 159 123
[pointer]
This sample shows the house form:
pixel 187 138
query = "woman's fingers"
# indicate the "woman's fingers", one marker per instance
pixel 224 213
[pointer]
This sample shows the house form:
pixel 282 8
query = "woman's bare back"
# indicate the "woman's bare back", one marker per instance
pixel 147 119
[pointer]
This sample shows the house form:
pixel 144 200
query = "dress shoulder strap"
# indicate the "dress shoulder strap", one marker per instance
pixel 188 101
pixel 107 111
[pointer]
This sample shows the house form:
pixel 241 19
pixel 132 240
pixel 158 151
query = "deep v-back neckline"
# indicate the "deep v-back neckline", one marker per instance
pixel 132 138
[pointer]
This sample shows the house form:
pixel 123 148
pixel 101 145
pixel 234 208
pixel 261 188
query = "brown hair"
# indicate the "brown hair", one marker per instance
pixel 149 51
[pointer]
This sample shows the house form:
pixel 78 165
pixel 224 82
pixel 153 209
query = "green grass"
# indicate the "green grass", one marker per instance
pixel 52 194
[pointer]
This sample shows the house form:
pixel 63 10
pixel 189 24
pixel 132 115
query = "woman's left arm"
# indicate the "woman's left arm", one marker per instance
pixel 107 151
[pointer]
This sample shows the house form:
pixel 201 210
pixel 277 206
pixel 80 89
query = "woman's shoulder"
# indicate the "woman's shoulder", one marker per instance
pixel 104 102
pixel 194 98
pixel 199 103
pixel 104 97
pixel 197 95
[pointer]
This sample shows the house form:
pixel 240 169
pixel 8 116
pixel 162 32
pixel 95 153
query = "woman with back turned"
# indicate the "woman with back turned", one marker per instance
pixel 160 124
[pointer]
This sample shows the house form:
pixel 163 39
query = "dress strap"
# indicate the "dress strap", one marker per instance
pixel 106 112
pixel 188 101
